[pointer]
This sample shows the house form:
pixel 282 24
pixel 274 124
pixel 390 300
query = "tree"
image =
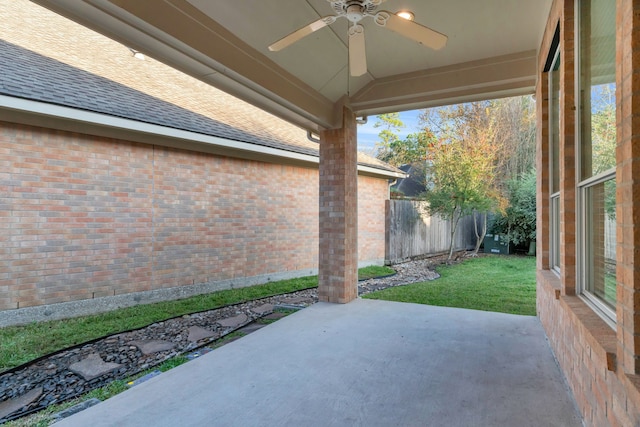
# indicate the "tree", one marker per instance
pixel 514 137
pixel 411 150
pixel 603 129
pixel 390 124
pixel 462 166
pixel 459 184
pixel 488 142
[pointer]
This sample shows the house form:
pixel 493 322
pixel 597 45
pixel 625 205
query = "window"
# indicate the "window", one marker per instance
pixel 597 161
pixel 554 146
pixel 600 239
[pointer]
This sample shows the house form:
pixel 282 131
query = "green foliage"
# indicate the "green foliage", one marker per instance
pixel 390 124
pixel 518 222
pixel 610 198
pixel 110 390
pixel 171 363
pixel 411 150
pixel 505 284
pixel 20 344
pixel 603 131
pixel 461 165
pixel 455 190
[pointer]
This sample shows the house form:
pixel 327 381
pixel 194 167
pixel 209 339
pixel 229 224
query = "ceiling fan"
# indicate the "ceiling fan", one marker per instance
pixel 355 11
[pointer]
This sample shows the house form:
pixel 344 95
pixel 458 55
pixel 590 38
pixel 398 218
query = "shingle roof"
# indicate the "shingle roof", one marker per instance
pixel 50 59
pixel 32 76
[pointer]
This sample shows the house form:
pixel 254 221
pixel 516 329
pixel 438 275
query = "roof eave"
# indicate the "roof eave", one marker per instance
pixel 36 113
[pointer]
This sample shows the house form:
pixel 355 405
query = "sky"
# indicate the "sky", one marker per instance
pixel 368 135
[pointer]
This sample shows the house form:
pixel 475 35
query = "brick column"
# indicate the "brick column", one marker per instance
pixel 338 258
pixel 627 187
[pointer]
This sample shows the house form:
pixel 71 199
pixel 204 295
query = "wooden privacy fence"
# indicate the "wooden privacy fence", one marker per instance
pixel 410 234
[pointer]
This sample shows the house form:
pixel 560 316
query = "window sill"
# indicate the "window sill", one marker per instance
pixel 599 335
pixel 552 280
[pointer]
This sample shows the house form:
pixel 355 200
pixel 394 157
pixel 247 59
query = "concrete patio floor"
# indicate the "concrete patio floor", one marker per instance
pixel 366 363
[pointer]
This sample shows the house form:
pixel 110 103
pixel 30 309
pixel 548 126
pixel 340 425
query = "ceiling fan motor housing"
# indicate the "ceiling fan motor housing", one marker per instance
pixel 354 11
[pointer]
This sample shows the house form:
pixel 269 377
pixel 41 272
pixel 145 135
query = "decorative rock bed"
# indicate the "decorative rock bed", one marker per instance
pixel 75 371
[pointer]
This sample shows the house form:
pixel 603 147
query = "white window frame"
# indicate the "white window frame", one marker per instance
pixel 604 310
pixel 554 231
pixel 554 198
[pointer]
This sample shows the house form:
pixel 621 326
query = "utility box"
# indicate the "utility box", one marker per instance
pixel 494 244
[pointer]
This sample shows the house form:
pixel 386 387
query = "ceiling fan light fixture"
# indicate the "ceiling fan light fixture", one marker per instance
pixel 406 14
pixel 400 22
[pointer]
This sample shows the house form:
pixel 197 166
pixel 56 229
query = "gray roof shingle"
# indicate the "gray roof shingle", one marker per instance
pixel 48 58
pixel 32 76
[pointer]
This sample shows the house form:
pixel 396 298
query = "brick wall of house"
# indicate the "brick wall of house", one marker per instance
pixel 372 196
pixel 84 217
pixel 600 362
pixel 585 347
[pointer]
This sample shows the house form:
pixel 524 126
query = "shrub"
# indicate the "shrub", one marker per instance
pixel 518 223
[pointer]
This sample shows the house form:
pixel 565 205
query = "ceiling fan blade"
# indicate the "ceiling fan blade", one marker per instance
pixel 302 32
pixel 357 52
pixel 411 30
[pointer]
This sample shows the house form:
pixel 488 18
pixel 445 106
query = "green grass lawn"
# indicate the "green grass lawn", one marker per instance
pixel 504 284
pixel 493 283
pixel 20 344
pixel 374 271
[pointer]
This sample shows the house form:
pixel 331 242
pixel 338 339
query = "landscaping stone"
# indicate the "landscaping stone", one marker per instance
pixel 233 322
pixel 76 408
pixel 93 367
pixel 12 405
pixel 197 353
pixel 55 383
pixel 197 333
pixel 294 300
pixel 274 316
pixel 264 308
pixel 152 346
pixel 252 327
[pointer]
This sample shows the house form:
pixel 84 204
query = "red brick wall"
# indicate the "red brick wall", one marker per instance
pixel 600 363
pixel 372 194
pixel 585 347
pixel 84 217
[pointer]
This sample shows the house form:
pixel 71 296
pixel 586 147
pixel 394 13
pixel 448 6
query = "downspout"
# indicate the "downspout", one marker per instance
pixel 312 138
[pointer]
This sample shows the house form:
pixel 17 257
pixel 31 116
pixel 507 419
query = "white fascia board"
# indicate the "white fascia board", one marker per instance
pixel 137 127
pixel 373 171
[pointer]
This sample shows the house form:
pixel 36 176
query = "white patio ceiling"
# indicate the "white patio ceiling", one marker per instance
pixel 491 51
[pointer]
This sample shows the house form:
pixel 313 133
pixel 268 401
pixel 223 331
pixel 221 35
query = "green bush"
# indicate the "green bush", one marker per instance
pixel 518 224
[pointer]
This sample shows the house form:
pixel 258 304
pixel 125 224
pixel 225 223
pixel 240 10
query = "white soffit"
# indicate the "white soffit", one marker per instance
pixel 225 43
